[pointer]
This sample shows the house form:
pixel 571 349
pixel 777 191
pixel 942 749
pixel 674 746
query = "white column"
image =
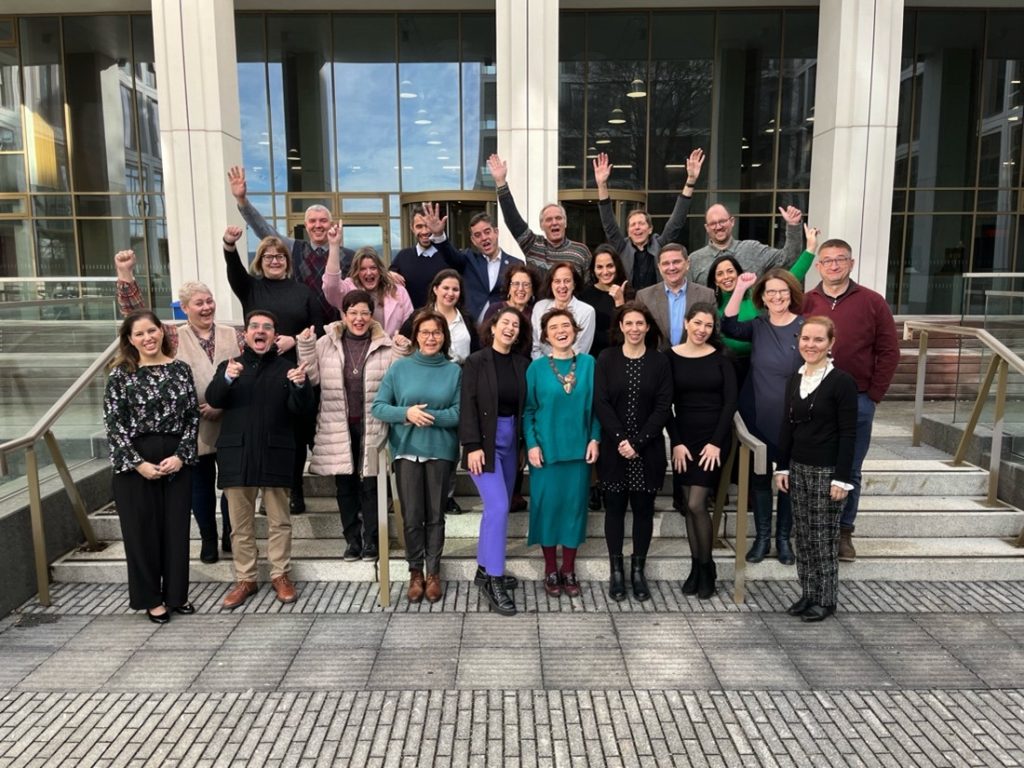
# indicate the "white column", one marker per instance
pixel 200 130
pixel 855 113
pixel 527 109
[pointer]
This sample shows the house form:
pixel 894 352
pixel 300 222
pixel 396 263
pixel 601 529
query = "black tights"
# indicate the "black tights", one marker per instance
pixel 615 521
pixel 698 521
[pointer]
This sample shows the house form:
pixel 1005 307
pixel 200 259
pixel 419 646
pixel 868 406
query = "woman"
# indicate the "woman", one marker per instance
pixel 773 359
pixel 608 290
pixel 522 285
pixel 391 301
pixel 446 298
pixel 348 363
pixel 269 285
pixel 704 401
pixel 816 463
pixel 419 398
pixel 562 440
pixel 151 414
pixel 632 400
pixel 491 409
pixel 204 345
pixel 561 284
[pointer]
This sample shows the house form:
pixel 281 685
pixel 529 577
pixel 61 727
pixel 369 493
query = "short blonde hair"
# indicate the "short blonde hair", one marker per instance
pixel 190 288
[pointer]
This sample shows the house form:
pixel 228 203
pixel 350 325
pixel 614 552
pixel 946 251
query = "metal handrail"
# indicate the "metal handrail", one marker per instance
pixel 43 430
pixel 1003 358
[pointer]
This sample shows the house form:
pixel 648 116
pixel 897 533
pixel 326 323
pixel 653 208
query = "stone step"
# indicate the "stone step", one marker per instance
pixel 936 559
pixel 879 517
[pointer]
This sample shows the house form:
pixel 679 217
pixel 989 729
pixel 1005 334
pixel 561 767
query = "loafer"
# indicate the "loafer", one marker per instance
pixel 370 552
pixel 434 592
pixel 241 592
pixel 353 551
pixel 453 507
pixel 817 612
pixel 517 504
pixel 297 505
pixel 185 610
pixel 801 605
pixel 570 585
pixel 416 586
pixel 284 588
pixel 553 585
pixel 208 552
pixel 159 618
pixel 507 582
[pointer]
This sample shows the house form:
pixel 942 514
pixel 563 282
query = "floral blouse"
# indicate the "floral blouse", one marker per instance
pixel 154 399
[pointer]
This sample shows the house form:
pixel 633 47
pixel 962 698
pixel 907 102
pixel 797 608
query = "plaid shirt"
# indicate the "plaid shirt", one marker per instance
pixel 308 264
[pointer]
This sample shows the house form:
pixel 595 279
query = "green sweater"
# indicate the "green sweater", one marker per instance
pixel 433 380
pixel 747 309
pixel 561 424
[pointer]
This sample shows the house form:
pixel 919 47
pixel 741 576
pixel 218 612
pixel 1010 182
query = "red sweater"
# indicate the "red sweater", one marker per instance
pixel 866 345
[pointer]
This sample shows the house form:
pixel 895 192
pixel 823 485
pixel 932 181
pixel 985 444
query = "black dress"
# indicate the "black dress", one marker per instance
pixel 703 404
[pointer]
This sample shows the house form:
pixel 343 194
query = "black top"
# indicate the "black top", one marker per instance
pixel 604 312
pixel 419 271
pixel 821 429
pixel 478 409
pixel 704 392
pixel 508 385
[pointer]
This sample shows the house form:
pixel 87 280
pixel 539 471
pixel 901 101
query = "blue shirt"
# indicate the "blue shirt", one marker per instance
pixel 676 313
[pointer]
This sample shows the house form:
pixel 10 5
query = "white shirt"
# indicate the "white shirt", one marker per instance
pixel 585 317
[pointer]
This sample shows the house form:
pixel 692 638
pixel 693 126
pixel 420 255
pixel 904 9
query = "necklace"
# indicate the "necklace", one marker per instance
pixel 568 381
pixel 356 366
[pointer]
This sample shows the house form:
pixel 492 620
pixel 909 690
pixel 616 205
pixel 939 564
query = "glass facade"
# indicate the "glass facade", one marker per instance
pixel 741 87
pixel 80 166
pixel 958 185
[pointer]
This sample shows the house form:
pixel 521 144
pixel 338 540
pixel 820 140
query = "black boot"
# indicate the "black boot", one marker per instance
pixel 783 529
pixel 208 554
pixel 706 580
pixel 636 575
pixel 762 527
pixel 617 583
pixel 494 591
pixel 690 585
pixel 595 502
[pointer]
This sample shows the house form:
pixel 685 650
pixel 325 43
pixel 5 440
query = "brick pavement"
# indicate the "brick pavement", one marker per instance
pixel 907 674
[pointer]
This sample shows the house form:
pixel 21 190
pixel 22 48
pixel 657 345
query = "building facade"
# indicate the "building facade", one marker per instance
pixel 895 126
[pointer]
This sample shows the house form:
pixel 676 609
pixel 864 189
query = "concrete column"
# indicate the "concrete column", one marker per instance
pixel 527 94
pixel 855 114
pixel 200 137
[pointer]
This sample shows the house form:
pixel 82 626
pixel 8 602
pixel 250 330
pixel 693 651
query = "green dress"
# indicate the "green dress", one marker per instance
pixel 562 425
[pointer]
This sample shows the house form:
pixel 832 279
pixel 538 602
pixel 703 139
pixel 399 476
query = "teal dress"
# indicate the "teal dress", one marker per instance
pixel 562 425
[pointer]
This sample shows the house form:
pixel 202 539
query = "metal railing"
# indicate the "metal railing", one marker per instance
pixel 43 430
pixel 377 460
pixel 1003 359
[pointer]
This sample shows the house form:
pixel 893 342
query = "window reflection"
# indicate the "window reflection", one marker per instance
pixel 479 100
pixel 44 104
pixel 572 90
pixel 796 109
pixel 10 101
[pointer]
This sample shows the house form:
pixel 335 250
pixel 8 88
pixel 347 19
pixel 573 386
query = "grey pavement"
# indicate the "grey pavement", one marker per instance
pixel 906 674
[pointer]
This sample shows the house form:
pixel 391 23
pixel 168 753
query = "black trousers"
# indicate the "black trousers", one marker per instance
pixel 357 496
pixel 154 517
pixel 423 491
pixel 615 521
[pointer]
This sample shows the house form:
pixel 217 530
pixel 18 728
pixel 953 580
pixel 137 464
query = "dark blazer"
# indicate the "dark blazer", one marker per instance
pixel 473 266
pixel 478 411
pixel 654 408
pixel 256 446
pixel 672 233
pixel 654 298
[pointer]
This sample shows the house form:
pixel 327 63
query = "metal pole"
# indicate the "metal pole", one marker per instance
pixel 996 449
pixel 979 406
pixel 38 535
pixel 383 539
pixel 741 525
pixel 922 364
pixel 77 505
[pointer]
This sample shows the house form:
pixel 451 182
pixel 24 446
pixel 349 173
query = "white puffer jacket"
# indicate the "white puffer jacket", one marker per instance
pixel 324 358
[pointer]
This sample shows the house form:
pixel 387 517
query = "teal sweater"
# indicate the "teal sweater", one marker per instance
pixel 433 380
pixel 562 425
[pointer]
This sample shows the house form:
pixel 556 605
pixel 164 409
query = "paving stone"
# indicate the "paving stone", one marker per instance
pixel 494 631
pixel 750 668
pixel 919 667
pixel 725 631
pixel 232 668
pixel 499 668
pixel 320 668
pixel 790 632
pixel 349 631
pixel 574 631
pixel 664 668
pixel 885 629
pixel 160 670
pixel 186 632
pixel 954 630
pixel 428 667
pixel 654 630
pixel 829 667
pixel 18 663
pixel 999 666
pixel 571 668
pixel 76 670
pixel 441 631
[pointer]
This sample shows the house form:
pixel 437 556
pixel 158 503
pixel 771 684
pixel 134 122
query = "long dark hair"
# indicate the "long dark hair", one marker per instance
pixel 653 336
pixel 712 283
pixel 715 339
pixel 523 342
pixel 127 356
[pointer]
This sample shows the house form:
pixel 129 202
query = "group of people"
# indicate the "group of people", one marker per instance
pixel 571 363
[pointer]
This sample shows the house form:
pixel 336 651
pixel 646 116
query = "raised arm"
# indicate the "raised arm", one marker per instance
pixel 612 233
pixel 238 278
pixel 332 283
pixel 513 220
pixel 673 231
pixel 253 218
pixel 129 295
pixel 452 256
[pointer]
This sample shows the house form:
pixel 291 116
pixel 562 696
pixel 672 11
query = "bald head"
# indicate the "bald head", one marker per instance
pixel 718 223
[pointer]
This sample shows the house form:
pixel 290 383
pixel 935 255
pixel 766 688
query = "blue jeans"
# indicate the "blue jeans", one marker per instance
pixel 865 420
pixel 204 498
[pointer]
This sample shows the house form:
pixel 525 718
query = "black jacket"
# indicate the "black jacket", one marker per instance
pixel 256 446
pixel 478 411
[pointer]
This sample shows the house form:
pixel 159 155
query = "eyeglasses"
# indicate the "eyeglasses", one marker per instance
pixel 719 223
pixel 520 284
pixel 261 326
pixel 838 262
pixel 274 257
pixel 429 334
pixel 777 292
pixel 358 313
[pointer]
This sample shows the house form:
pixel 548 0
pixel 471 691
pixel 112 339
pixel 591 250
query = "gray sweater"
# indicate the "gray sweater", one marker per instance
pixel 752 255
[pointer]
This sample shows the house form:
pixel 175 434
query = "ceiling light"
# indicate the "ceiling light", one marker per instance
pixel 618 117
pixel 567 167
pixel 674 166
pixel 421 117
pixel 405 90
pixel 636 89
pixel 755 165
pixel 296 167
pixel 603 140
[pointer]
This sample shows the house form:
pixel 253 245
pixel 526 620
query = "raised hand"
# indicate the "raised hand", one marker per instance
pixel 336 233
pixel 499 169
pixel 307 334
pixel 791 215
pixel 432 216
pixel 236 180
pixel 618 293
pixel 234 368
pixel 602 169
pixel 693 165
pixel 297 375
pixel 744 281
pixel 124 263
pixel 811 235
pixel 232 234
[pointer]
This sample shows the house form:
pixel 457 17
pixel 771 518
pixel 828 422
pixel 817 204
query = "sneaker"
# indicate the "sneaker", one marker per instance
pixel 353 551
pixel 370 552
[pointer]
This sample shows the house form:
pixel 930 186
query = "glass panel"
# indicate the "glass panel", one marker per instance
pixel 948 64
pixel 10 206
pixel 746 92
pixel 894 273
pixel 45 206
pixel 936 255
pixel 572 79
pixel 796 111
pixel 904 120
pixel 362 205
pixel 941 200
pixel 366 98
pixel 359 235
pixel 55 247
pixel 103 205
pixel 618 43
pixel 146 101
pixel 994 236
pixel 44 105
pixel 15 254
pixel 428 61
pixel 99 239
pixel 252 96
pixel 997 199
pixel 10 101
pixel 680 91
pixel 1002 101
pixel 12 173
pixel 299 55
pixel 479 100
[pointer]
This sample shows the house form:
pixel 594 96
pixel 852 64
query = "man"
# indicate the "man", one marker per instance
pixel 752 255
pixel 419 264
pixel 541 251
pixel 483 267
pixel 259 393
pixel 866 347
pixel 669 299
pixel 308 257
pixel 639 252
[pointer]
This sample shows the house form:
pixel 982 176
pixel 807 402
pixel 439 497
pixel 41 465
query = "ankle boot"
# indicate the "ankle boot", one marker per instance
pixel 617 584
pixel 494 591
pixel 208 554
pixel 762 503
pixel 783 529
pixel 706 580
pixel 636 575
pixel 690 585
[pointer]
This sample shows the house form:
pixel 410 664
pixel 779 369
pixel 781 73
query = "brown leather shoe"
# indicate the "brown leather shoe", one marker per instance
pixel 416 586
pixel 241 592
pixel 285 589
pixel 434 591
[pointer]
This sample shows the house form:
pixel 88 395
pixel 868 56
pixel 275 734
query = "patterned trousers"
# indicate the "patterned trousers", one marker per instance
pixel 816 518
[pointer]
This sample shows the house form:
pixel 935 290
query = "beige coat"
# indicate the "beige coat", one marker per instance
pixel 189 350
pixel 324 358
